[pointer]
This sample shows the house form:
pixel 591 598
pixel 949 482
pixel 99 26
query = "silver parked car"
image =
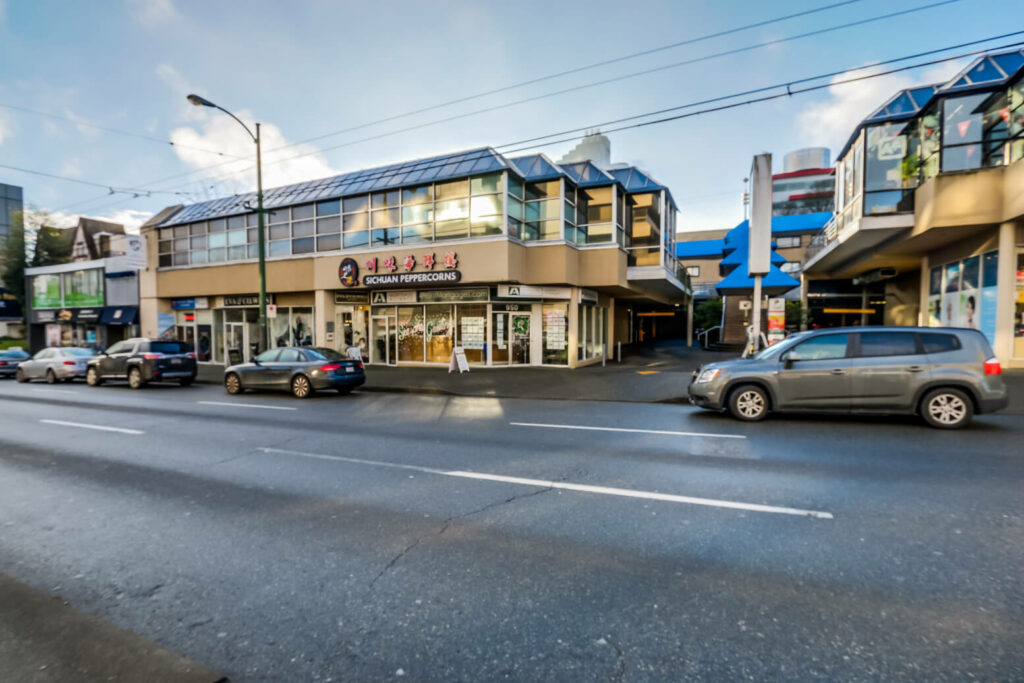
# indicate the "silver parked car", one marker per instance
pixel 945 375
pixel 55 364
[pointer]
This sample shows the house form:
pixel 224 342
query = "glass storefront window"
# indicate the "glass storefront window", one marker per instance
pixel 1018 310
pixel 280 328
pixel 440 333
pixel 410 333
pixel 556 334
pixel 472 331
pixel 46 291
pixel 83 288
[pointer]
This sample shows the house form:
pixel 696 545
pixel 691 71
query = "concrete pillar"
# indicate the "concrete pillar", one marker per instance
pixel 1006 287
pixel 804 308
pixel 864 305
pixel 922 307
pixel 572 336
pixel 323 303
pixel 689 321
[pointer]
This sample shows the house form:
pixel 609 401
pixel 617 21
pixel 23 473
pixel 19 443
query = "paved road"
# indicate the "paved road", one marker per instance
pixel 383 536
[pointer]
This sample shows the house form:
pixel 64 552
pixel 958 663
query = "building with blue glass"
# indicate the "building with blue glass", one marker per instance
pixel 930 206
pixel 519 261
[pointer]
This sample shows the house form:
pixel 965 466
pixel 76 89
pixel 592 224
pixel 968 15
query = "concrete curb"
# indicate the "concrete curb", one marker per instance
pixel 42 639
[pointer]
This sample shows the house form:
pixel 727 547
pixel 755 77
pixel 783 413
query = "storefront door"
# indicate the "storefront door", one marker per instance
pixel 384 349
pixel 520 338
pixel 235 343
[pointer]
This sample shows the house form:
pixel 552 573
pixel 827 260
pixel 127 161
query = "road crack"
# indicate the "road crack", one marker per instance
pixel 447 523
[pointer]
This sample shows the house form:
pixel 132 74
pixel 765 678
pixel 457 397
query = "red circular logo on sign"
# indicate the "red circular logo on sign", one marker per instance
pixel 348 272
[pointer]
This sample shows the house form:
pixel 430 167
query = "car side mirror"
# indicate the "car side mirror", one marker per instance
pixel 255 360
pixel 789 358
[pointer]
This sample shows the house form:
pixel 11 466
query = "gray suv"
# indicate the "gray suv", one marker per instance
pixel 945 375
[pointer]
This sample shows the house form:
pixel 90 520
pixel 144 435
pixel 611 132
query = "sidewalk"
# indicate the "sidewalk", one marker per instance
pixel 653 374
pixel 646 375
pixel 43 640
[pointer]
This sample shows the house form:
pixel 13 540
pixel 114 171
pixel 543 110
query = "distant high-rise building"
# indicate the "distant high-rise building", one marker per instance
pixel 806 185
pixel 594 147
pixel 11 203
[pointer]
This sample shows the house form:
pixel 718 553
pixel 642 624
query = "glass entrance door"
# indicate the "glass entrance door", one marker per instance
pixel 500 343
pixel 234 343
pixel 384 349
pixel 519 323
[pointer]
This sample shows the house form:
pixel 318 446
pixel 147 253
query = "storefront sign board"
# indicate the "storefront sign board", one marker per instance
pixel 436 277
pixel 351 297
pixel 533 292
pixel 449 295
pixel 458 361
pixel 776 319
pixel 245 299
pixel 190 303
pixel 393 297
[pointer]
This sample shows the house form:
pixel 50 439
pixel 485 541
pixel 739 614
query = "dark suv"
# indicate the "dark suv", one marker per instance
pixel 945 375
pixel 144 360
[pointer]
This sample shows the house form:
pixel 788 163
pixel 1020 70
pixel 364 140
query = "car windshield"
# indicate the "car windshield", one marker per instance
pixel 81 353
pixel 167 347
pixel 775 349
pixel 319 353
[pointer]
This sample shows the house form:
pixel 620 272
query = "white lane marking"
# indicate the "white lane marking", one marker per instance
pixel 624 429
pixel 101 428
pixel 568 486
pixel 244 405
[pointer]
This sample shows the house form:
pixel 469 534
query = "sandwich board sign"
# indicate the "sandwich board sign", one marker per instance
pixel 458 361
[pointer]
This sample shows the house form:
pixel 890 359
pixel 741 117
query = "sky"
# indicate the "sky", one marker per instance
pixel 321 76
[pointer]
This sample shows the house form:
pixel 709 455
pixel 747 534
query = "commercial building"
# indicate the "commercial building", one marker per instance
pixel 519 261
pixel 930 207
pixel 92 300
pixel 806 184
pixel 11 204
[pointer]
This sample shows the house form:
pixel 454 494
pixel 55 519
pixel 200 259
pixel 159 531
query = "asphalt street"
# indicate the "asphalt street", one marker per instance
pixel 380 536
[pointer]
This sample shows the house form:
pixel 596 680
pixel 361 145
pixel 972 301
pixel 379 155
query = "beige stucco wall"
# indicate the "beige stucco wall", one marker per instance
pixel 902 299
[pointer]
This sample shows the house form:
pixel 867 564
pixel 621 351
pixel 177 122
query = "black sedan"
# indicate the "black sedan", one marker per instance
pixel 301 370
pixel 9 359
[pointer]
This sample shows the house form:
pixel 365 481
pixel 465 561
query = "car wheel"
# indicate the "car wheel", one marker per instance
pixel 947 409
pixel 92 378
pixel 748 403
pixel 19 375
pixel 301 388
pixel 233 384
pixel 51 378
pixel 135 380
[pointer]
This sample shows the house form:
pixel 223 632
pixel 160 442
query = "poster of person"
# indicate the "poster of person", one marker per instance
pixel 950 314
pixel 969 294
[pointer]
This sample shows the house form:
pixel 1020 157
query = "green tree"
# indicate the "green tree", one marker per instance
pixel 52 245
pixel 14 257
pixel 797 317
pixel 708 313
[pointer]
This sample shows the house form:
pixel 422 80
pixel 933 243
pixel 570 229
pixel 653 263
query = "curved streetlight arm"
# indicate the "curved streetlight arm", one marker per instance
pixel 203 102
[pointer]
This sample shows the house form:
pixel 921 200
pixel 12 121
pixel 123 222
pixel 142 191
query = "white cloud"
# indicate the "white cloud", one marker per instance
pixel 830 122
pixel 131 219
pixel 72 167
pixel 152 13
pixel 219 132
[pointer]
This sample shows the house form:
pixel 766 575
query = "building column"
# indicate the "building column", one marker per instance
pixel 805 310
pixel 571 336
pixel 1006 292
pixel 923 290
pixel 323 307
pixel 689 321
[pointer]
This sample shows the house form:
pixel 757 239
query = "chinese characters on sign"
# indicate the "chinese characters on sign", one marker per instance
pixel 348 271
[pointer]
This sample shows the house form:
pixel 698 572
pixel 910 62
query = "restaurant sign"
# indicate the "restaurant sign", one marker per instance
pixel 246 299
pixel 394 271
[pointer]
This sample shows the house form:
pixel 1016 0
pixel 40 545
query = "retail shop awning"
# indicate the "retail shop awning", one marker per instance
pixel 119 315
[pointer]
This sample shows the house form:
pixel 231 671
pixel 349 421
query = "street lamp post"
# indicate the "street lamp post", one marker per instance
pixel 203 102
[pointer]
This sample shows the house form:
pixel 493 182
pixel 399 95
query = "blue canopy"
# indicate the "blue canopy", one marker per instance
pixel 739 282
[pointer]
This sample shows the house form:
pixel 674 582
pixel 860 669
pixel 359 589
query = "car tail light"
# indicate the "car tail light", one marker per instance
pixel 70 362
pixel 3 362
pixel 992 366
pixel 359 364
pixel 331 367
pixel 152 356
pixel 191 355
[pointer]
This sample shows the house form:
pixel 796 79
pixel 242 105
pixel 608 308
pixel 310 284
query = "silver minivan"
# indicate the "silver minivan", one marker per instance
pixel 945 375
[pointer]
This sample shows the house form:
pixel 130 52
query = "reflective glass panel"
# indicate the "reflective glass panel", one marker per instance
pixel 328 243
pixel 410 333
pixel 454 188
pixel 325 226
pixel 417 195
pixel 356 239
pixel 384 218
pixel 360 203
pixel 328 208
pixel 486 184
pixel 304 211
pixel 412 234
pixel 355 221
pixel 303 246
pixel 450 230
pixel 302 228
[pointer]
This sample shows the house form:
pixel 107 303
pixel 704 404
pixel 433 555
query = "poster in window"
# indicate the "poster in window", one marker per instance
pixel 472 332
pixel 969 295
pixel 555 324
pixel 950 300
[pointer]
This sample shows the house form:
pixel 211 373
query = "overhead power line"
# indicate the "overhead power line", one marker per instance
pixel 111 189
pixel 115 131
pixel 786 91
pixel 579 69
pixel 687 62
